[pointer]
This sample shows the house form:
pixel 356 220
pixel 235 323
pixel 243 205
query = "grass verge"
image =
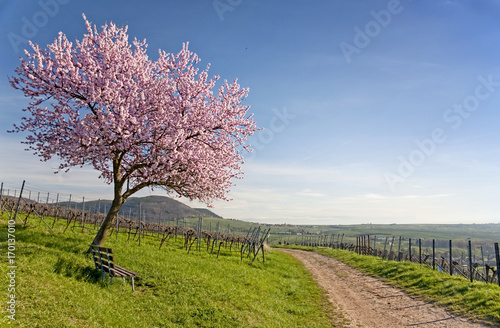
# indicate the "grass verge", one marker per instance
pixel 56 285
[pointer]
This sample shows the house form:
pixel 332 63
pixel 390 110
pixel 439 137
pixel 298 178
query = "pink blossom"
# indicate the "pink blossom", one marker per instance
pixel 141 123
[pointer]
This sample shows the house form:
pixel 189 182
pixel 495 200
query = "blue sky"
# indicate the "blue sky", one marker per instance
pixel 373 111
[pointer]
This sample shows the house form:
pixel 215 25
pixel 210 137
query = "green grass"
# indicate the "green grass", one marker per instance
pixel 476 300
pixel 57 285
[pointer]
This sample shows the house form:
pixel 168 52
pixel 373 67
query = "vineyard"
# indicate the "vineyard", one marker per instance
pixel 57 284
pixel 474 260
pixel 177 270
pixel 193 238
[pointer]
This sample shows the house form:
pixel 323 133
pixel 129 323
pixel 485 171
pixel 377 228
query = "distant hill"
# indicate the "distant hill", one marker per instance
pixel 153 208
pixel 207 212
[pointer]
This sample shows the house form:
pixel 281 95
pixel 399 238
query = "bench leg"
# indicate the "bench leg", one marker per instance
pixel 132 283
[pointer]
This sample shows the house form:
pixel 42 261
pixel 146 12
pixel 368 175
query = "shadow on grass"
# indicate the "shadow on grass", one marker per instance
pixel 78 271
pixel 89 274
pixel 69 242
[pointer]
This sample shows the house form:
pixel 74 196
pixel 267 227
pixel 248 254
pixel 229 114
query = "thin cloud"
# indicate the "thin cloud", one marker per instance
pixel 310 193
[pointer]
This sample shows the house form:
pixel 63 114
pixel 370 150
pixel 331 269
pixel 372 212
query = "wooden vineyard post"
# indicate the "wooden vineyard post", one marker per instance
pixel 399 250
pixel 420 251
pixel 261 244
pixel 451 262
pixel 1 192
pixel 434 254
pixel 367 245
pixel 198 242
pixel 385 248
pixel 46 203
pixel 484 266
pixel 177 228
pixel 391 257
pixel 497 255
pixel 83 210
pixel 409 249
pixel 471 273
pixel 140 221
pixel 19 201
pixel 57 211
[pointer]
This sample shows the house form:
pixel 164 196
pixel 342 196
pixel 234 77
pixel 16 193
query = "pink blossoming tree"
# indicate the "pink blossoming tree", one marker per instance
pixel 140 123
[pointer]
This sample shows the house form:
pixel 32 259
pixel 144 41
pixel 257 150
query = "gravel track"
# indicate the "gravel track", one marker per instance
pixel 365 301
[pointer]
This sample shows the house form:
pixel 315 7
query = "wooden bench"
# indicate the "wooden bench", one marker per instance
pixel 103 259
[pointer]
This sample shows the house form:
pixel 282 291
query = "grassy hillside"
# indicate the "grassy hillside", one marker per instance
pixel 57 286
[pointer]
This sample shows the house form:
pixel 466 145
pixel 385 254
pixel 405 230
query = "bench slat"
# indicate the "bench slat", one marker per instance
pixel 122 272
pixel 104 256
pixel 104 262
pixel 102 249
pixel 117 271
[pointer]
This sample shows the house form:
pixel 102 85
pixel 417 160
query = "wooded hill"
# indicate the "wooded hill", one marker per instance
pixel 152 208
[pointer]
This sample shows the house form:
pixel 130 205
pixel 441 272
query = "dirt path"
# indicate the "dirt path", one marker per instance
pixel 368 302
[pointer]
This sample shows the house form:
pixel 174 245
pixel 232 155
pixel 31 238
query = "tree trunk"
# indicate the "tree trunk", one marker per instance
pixel 109 221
